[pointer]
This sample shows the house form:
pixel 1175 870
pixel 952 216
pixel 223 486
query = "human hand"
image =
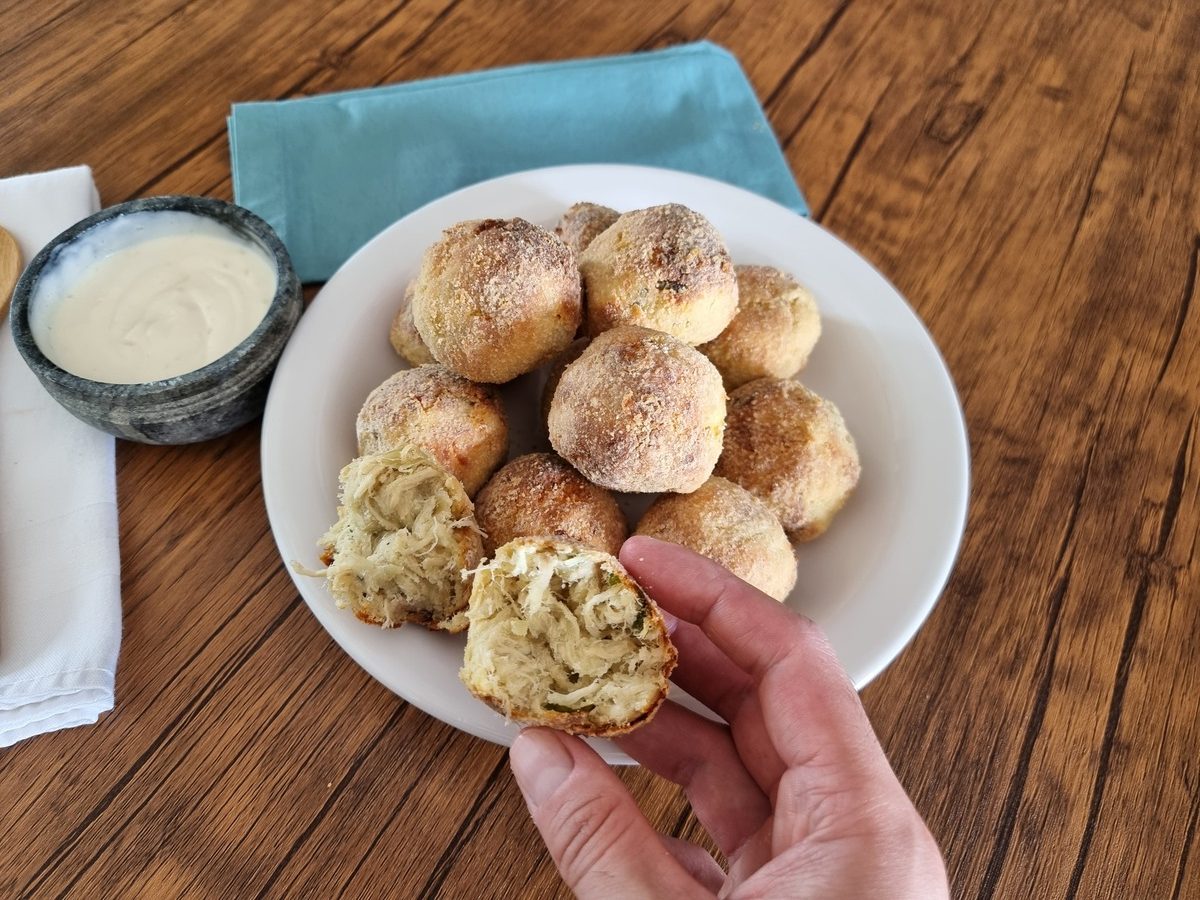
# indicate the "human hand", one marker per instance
pixel 795 790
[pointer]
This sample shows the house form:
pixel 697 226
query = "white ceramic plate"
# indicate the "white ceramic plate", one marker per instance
pixel 870 580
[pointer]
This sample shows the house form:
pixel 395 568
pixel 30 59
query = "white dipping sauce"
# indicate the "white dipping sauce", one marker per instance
pixel 150 295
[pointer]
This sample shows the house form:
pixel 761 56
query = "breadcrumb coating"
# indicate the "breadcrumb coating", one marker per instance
pixel 639 411
pixel 728 524
pixel 775 329
pixel 541 495
pixel 790 447
pixel 581 223
pixel 554 372
pixel 461 423
pixel 404 337
pixel 496 298
pixel 665 267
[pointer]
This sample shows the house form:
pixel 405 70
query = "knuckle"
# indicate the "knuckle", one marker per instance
pixel 831 810
pixel 899 833
pixel 588 830
pixel 828 806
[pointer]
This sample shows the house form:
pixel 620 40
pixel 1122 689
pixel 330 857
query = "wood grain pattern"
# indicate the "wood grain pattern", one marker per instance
pixel 1026 173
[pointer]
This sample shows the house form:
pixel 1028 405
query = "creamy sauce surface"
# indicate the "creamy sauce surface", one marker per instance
pixel 160 295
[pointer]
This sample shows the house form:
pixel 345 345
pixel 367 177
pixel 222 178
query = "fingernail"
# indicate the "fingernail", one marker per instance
pixel 672 622
pixel 541 763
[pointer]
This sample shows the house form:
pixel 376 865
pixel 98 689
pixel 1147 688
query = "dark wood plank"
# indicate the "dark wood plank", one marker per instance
pixel 1026 173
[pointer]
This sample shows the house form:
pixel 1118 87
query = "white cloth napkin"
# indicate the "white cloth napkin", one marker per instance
pixel 60 581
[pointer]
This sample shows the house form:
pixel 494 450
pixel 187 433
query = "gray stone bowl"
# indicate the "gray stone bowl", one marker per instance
pixel 195 406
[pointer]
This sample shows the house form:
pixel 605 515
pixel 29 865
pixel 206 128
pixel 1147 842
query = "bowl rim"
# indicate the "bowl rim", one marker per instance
pixel 287 292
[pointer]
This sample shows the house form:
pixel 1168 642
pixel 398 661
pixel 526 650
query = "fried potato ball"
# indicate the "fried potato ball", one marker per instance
pixel 540 495
pixel 496 298
pixel 403 536
pixel 729 525
pixel 790 447
pixel 461 423
pixel 665 267
pixel 581 223
pixel 639 411
pixel 775 329
pixel 404 337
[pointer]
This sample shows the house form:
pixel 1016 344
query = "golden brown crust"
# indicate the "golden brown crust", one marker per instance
pixel 554 373
pixel 639 411
pixel 728 524
pixel 404 337
pixel 461 423
pixel 454 625
pixel 581 722
pixel 574 722
pixel 540 494
pixel 775 329
pixel 496 298
pixel 582 222
pixel 665 267
pixel 790 447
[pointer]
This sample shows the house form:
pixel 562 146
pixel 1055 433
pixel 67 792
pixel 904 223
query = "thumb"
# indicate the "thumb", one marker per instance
pixel 600 841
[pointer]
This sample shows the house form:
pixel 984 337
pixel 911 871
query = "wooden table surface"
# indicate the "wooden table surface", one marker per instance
pixel 1027 173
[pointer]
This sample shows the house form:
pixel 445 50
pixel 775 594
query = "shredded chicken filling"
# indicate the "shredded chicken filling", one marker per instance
pixel 564 634
pixel 394 545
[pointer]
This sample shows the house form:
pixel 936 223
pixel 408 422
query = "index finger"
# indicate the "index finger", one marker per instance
pixel 752 629
pixel 808 704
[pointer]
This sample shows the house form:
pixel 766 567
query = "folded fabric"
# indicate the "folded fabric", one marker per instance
pixel 330 172
pixel 60 581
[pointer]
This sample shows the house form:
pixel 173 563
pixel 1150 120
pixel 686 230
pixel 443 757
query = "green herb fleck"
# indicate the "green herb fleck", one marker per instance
pixel 554 707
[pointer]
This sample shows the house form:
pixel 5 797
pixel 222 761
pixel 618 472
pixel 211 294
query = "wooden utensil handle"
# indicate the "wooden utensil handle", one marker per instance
pixel 10 269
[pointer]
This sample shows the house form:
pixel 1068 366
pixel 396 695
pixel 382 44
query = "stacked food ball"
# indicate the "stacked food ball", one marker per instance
pixel 558 632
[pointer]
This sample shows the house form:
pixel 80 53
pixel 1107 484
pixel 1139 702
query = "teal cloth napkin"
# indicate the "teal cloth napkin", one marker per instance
pixel 330 172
